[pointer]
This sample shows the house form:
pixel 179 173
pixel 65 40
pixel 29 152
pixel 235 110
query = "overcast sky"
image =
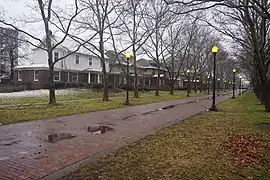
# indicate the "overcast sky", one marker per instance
pixel 20 8
pixel 14 7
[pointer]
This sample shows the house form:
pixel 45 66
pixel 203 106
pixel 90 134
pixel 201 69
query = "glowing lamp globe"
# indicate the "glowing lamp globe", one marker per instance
pixel 215 50
pixel 128 55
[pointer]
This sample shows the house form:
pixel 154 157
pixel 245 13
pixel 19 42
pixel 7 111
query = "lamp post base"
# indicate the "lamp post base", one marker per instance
pixel 126 103
pixel 233 97
pixel 213 108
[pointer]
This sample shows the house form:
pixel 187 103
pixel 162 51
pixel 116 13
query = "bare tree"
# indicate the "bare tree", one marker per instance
pixel 159 17
pixel 9 52
pixel 260 7
pixel 94 22
pixel 50 18
pixel 250 31
pixel 131 15
pixel 176 45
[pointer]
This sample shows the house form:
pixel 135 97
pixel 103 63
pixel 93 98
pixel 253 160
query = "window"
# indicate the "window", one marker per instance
pixel 35 75
pixel 74 77
pixel 90 61
pixel 100 78
pixel 19 76
pixel 77 59
pixel 56 56
pixel 56 76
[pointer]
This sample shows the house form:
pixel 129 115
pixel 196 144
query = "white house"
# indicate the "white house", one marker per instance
pixel 80 66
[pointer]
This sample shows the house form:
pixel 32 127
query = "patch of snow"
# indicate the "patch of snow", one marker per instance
pixel 37 93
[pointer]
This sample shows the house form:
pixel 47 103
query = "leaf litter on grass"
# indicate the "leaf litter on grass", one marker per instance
pixel 247 149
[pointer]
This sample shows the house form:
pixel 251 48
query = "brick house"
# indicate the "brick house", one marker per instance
pixel 79 67
pixel 146 69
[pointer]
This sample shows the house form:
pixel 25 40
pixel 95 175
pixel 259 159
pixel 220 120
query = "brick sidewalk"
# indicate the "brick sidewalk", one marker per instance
pixel 30 151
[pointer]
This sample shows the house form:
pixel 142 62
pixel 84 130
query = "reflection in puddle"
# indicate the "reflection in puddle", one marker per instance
pixel 99 129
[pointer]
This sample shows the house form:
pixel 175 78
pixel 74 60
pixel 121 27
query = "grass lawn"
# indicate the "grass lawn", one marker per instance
pixel 32 112
pixel 230 144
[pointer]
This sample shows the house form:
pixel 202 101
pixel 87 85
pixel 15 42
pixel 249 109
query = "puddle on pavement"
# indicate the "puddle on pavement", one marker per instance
pixel 160 109
pixel 169 107
pixel 8 142
pixel 99 129
pixel 52 138
pixel 3 158
pixel 127 117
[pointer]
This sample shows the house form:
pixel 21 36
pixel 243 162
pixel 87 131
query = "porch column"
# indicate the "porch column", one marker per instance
pixel 98 78
pixel 114 81
pixel 89 78
pixel 68 76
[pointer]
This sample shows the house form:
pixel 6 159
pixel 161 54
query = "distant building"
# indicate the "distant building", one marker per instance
pixel 8 52
pixel 85 67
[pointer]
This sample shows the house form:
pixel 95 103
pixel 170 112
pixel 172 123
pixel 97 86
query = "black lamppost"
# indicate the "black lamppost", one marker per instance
pixel 127 78
pixel 234 71
pixel 225 84
pixel 213 107
pixel 188 85
pixel 240 86
pixel 218 86
pixel 208 84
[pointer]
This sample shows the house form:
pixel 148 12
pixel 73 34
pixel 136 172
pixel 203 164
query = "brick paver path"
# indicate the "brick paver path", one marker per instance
pixel 26 153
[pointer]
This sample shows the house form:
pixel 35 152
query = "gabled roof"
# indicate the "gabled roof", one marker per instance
pixel 71 45
pixel 113 60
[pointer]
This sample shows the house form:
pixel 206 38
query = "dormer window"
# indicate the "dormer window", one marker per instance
pixel 77 59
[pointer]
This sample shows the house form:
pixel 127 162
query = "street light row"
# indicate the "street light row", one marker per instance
pixel 213 107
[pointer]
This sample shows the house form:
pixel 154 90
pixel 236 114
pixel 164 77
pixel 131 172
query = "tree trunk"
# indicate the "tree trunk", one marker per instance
pixel 267 104
pixel 266 96
pixel 136 91
pixel 157 83
pixel 105 74
pixel 105 91
pixel 12 59
pixel 52 99
pixel 201 84
pixel 171 89
pixel 195 87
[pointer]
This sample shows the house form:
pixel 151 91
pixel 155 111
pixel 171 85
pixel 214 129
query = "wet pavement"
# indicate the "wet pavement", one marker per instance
pixel 35 149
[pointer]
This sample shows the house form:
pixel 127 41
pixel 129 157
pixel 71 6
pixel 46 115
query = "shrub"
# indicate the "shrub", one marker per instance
pixel 97 86
pixel 126 87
